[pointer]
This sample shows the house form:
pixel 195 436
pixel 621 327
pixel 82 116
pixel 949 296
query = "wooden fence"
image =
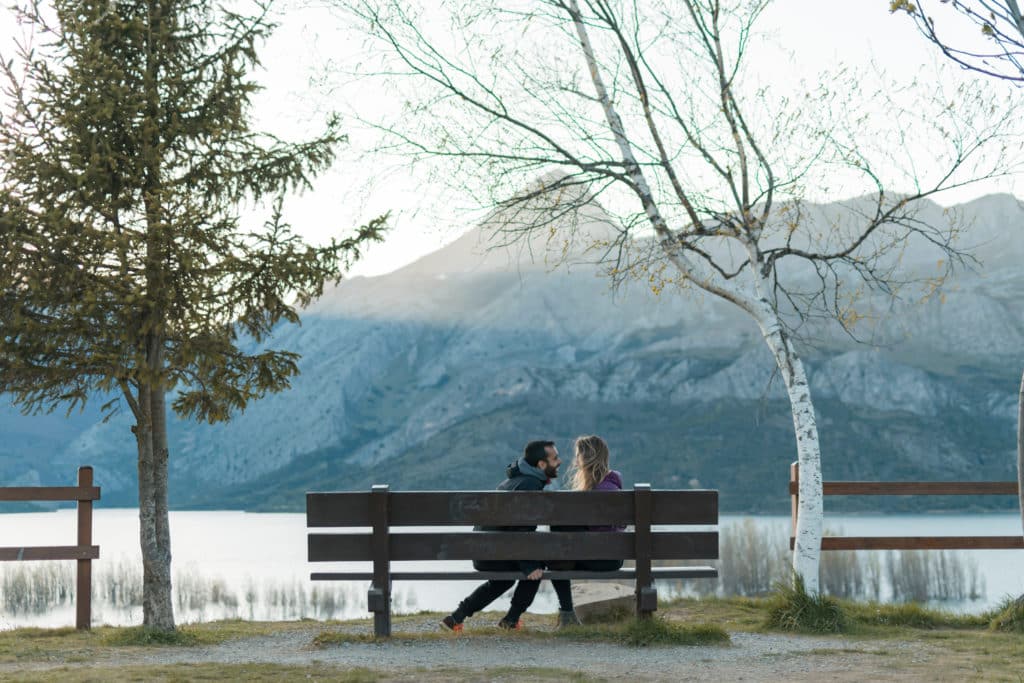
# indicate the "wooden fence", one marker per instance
pixel 85 552
pixel 908 488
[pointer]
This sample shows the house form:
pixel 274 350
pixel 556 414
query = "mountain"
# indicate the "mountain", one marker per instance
pixel 435 375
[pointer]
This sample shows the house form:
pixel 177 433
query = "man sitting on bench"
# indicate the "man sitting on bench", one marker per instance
pixel 537 467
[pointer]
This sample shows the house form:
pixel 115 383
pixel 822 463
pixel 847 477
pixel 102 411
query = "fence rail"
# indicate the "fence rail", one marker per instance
pixel 906 488
pixel 84 553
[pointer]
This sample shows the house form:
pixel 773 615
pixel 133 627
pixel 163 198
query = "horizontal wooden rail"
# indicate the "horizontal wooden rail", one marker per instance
pixel 914 488
pixel 53 552
pixel 49 493
pixel 83 553
pixel 907 488
pixel 921 542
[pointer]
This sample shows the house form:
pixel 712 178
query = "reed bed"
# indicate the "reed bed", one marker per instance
pixel 753 558
pixel 35 588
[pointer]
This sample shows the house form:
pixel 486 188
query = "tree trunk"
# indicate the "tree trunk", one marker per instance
pixel 163 610
pixel 807 552
pixel 154 528
pixel 1020 453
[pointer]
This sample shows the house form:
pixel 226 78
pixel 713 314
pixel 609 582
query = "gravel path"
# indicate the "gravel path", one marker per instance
pixel 752 656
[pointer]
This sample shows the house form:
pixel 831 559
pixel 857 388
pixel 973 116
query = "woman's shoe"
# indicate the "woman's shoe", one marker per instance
pixel 568 618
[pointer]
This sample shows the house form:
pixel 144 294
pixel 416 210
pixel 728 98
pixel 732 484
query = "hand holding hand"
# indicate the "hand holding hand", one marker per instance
pixel 535 575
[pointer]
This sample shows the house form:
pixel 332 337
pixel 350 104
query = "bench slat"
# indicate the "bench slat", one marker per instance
pixel 659 573
pixel 514 545
pixel 491 508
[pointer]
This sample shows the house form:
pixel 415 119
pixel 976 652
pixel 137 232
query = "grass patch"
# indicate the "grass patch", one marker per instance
pixel 175 673
pixel 509 674
pixel 145 636
pixel 27 644
pixel 732 614
pixel 1009 616
pixel 645 632
pixel 629 631
pixel 792 608
pixel 190 635
pixel 910 615
pixel 331 638
pixel 831 651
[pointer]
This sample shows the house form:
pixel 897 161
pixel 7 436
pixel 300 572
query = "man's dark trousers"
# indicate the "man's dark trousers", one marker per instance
pixel 491 590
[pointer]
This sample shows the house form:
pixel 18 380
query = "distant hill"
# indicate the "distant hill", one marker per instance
pixel 434 376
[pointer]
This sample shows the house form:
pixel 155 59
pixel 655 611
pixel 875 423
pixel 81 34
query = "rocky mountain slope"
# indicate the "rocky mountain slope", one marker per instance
pixel 435 375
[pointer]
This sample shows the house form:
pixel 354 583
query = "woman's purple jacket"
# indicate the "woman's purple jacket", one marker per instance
pixel 611 482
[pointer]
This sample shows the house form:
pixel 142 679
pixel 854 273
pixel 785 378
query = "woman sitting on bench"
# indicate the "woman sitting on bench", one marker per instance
pixel 590 471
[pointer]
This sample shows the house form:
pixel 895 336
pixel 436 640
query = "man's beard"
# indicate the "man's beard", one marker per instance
pixel 552 473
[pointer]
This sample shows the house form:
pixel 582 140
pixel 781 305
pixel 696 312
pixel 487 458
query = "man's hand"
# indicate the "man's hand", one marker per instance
pixel 535 575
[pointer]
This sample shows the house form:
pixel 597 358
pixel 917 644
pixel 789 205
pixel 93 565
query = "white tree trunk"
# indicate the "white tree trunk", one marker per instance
pixel 1020 451
pixel 810 513
pixel 809 517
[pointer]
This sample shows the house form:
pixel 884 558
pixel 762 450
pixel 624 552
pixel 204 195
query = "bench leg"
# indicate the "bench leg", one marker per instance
pixel 378 601
pixel 646 601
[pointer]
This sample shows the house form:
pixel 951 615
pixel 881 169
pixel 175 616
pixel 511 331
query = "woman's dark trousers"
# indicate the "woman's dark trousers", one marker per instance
pixel 563 588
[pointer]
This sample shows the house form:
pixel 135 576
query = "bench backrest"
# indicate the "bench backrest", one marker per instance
pixel 381 509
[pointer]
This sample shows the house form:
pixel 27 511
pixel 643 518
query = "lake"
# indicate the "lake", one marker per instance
pixel 253 565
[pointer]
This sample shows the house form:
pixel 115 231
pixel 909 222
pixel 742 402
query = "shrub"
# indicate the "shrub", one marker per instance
pixel 792 608
pixel 1009 616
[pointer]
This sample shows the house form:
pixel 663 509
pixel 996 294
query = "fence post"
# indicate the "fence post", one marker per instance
pixel 646 593
pixel 379 598
pixel 83 592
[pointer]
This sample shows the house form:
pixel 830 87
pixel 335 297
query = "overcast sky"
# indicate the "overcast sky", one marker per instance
pixel 819 35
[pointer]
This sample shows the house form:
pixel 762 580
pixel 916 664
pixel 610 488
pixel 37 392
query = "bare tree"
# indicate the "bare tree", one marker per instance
pixel 642 106
pixel 995 48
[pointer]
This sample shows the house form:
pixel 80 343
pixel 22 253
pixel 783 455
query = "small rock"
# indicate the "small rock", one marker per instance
pixel 600 600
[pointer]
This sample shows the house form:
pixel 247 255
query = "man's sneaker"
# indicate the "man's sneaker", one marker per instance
pixel 510 625
pixel 449 623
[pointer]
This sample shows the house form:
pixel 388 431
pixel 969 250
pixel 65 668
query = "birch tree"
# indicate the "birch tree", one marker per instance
pixel 986 37
pixel 643 107
pixel 126 271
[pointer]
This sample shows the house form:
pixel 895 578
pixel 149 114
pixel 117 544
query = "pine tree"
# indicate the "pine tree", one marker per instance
pixel 126 269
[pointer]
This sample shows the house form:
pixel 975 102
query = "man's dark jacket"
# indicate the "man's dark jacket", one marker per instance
pixel 520 476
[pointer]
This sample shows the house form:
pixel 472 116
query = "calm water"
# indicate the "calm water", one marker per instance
pixel 261 560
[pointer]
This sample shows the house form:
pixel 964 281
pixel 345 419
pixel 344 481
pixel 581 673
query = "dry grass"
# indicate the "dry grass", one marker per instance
pixel 69 645
pixel 268 673
pixel 894 642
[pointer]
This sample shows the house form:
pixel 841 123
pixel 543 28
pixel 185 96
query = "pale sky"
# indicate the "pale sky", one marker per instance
pixel 819 35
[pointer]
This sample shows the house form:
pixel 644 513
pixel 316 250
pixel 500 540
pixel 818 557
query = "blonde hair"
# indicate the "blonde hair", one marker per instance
pixel 590 463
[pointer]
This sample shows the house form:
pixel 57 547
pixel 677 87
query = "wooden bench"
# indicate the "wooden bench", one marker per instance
pixel 381 509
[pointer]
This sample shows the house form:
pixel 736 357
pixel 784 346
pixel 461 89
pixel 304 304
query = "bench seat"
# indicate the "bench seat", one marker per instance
pixel 657 573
